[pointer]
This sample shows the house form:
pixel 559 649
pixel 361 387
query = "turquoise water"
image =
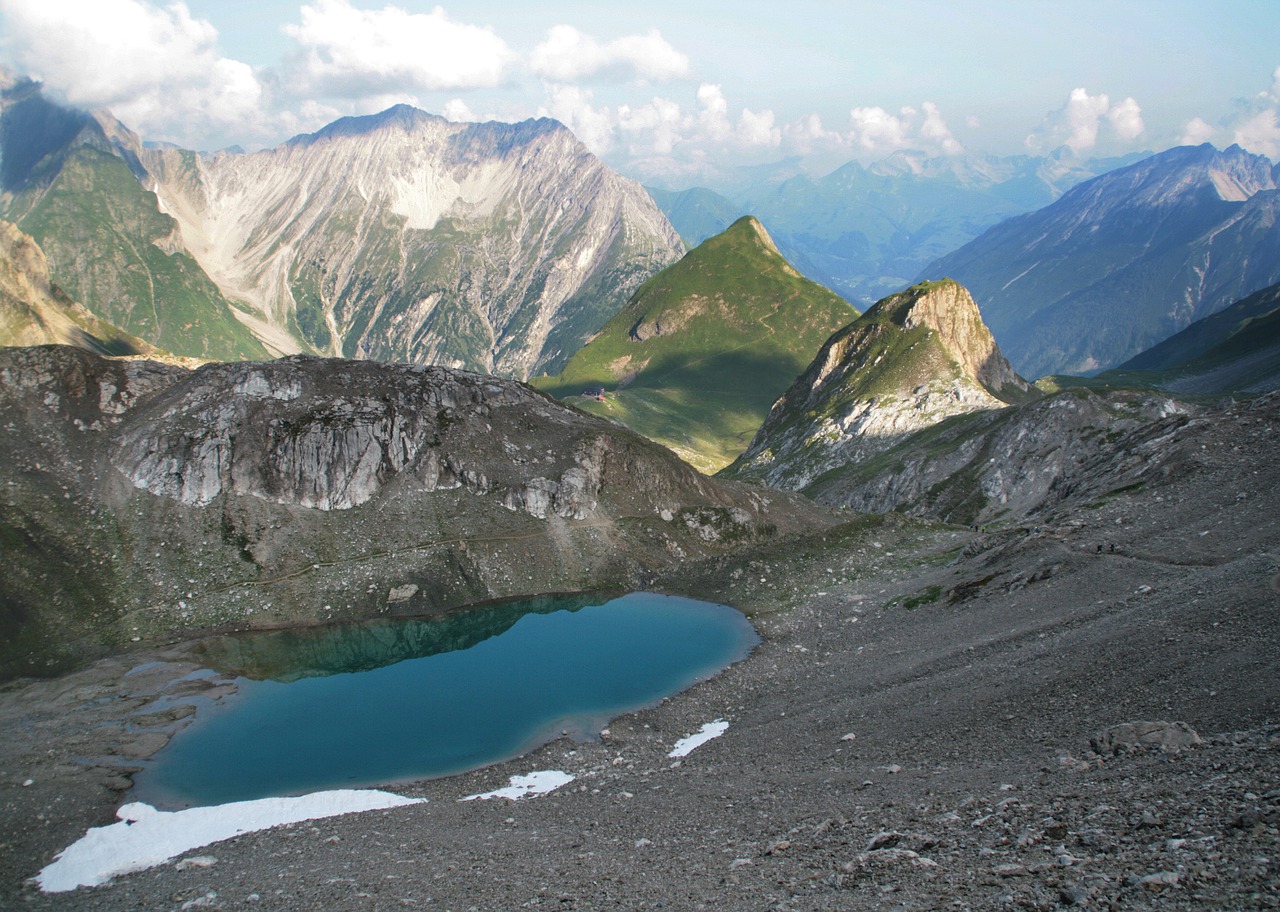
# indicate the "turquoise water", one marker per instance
pixel 366 704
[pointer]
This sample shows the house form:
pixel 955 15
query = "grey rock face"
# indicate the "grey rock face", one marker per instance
pixel 497 247
pixel 1131 737
pixel 1018 461
pixel 266 431
pixel 153 501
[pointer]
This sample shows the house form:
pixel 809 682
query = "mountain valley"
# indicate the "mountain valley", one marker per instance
pixel 1018 640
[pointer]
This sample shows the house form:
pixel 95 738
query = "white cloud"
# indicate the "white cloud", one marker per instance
pixel 713 114
pixel 572 106
pixel 756 128
pixel 1196 132
pixel 1076 124
pixel 458 111
pixel 807 135
pixel 1126 119
pixel 877 131
pixel 159 70
pixel 656 127
pixel 1260 134
pixel 1254 125
pixel 568 55
pixel 934 130
pixel 350 53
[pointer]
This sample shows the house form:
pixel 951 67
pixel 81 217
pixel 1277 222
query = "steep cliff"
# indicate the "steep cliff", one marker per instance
pixel 909 362
pixel 150 501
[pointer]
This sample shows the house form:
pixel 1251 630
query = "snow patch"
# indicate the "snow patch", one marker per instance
pixel 527 786
pixel 146 837
pixel 687 745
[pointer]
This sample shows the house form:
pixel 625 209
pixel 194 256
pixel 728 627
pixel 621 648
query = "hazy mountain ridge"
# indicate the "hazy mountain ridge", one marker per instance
pixel 1126 259
pixel 703 348
pixel 866 231
pixel 909 362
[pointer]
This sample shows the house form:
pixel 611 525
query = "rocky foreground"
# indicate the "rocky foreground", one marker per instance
pixel 939 717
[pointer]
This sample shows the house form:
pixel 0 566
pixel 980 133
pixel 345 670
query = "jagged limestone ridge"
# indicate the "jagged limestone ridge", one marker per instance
pixel 912 360
pixel 403 236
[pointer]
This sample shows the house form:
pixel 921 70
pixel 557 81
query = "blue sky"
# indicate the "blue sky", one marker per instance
pixel 672 91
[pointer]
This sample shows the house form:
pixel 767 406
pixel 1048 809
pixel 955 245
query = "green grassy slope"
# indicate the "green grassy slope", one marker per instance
pixel 110 247
pixel 702 350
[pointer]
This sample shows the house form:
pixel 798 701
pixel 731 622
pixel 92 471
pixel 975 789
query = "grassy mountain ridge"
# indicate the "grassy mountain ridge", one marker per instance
pixel 35 311
pixel 704 347
pixel 70 184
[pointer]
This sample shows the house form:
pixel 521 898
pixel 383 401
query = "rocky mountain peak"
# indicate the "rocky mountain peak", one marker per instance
pixel 947 308
pixel 912 360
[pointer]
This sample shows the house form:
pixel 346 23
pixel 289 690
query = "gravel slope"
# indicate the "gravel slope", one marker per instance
pixel 914 733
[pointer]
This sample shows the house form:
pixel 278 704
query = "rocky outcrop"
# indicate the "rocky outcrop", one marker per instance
pixel 910 362
pixel 152 501
pixel 1018 462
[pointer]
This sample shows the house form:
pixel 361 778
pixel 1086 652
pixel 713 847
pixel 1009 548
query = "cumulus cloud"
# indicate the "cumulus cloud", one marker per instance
pixel 1260 134
pixel 572 106
pixel 155 68
pixel 1196 132
pixel 1254 125
pixel 567 55
pixel 1126 119
pixel 934 131
pixel 875 131
pixel 1076 124
pixel 458 111
pixel 351 53
pixel 756 128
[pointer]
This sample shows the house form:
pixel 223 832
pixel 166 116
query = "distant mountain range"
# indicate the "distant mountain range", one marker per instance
pixel 702 350
pixel 867 231
pixel 400 236
pixel 1125 260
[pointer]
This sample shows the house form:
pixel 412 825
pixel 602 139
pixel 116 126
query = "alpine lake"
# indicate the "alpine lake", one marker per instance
pixel 356 705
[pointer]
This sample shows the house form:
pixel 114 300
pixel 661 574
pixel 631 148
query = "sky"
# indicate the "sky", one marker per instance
pixel 677 91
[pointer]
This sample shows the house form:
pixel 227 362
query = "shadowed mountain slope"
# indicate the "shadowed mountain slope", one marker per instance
pixel 701 351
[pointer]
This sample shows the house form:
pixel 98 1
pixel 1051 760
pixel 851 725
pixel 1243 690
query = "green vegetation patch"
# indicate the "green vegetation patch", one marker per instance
pixel 111 248
pixel 705 347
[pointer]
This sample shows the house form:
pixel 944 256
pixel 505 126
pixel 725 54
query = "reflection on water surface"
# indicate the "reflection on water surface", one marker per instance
pixel 366 704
